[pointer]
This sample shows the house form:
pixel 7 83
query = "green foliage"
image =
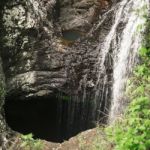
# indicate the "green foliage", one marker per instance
pixel 144 52
pixel 133 131
pixel 28 143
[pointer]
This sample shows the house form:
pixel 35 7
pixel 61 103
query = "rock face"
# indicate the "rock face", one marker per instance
pixel 30 52
pixel 36 62
pixel 2 94
pixel 5 131
pixel 39 61
pixel 80 14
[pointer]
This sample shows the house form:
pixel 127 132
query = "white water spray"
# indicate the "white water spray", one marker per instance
pixel 127 50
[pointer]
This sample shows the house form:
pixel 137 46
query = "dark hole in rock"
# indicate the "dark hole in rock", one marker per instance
pixel 39 116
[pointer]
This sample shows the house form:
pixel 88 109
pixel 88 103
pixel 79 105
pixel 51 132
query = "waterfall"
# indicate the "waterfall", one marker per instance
pixel 126 53
pixel 121 44
pixel 104 49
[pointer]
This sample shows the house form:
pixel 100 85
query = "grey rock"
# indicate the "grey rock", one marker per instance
pixel 34 57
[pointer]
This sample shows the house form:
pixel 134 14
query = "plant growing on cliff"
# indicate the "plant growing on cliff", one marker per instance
pixel 28 143
pixel 133 131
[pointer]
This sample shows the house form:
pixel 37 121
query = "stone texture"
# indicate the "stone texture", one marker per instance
pixel 30 46
pixel 36 61
pixel 34 57
pixel 3 127
pixel 2 93
pixel 80 14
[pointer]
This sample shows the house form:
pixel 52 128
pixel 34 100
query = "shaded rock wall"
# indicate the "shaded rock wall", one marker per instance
pixel 2 95
pixel 33 54
pixel 37 62
pixel 30 52
pixel 3 128
pixel 80 14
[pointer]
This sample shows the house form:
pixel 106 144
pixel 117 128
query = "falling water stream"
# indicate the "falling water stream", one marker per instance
pixel 130 42
pixel 127 49
pixel 127 40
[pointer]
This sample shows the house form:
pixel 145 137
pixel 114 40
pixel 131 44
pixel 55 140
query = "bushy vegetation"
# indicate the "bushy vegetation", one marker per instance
pixel 133 131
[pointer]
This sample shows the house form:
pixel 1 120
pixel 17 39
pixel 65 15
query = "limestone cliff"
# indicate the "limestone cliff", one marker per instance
pixel 36 57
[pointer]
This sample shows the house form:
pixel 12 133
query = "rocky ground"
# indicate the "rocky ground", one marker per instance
pixel 93 139
pixel 78 142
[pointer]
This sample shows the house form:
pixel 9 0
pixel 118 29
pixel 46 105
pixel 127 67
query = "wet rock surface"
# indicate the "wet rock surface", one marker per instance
pixel 39 61
pixel 35 58
pixel 78 14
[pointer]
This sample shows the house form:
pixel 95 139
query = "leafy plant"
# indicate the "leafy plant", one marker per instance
pixel 133 131
pixel 28 143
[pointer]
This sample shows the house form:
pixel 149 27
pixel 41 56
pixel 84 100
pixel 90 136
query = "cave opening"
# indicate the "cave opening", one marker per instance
pixel 45 117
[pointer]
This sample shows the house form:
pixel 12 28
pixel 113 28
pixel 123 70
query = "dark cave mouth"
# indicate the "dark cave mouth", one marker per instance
pixel 40 116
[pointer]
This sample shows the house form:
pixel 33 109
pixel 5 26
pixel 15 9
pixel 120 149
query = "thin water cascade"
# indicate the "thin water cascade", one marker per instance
pixel 127 51
pixel 121 44
pixel 104 48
